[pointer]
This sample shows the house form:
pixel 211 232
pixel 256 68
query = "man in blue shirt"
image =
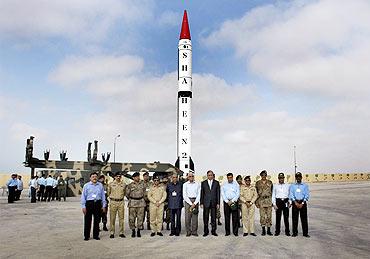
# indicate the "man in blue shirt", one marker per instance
pixel 299 195
pixel 93 203
pixel 230 194
pixel 12 188
pixel 49 183
pixel 175 204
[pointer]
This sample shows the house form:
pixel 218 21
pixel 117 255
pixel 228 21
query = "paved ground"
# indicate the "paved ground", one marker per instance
pixel 339 225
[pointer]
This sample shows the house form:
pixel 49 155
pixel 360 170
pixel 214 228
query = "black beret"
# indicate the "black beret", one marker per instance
pixel 263 172
pixel 281 175
pixel 136 174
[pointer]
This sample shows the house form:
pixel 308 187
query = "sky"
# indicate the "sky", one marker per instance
pixel 267 76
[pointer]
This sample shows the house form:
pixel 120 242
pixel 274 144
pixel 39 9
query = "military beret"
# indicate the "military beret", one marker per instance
pixel 298 174
pixel 263 172
pixel 136 174
pixel 239 177
pixel 281 175
pixel 146 173
pixel 248 177
pixel 156 178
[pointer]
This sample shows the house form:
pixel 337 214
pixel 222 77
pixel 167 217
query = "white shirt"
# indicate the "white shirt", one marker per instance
pixel 210 183
pixel 191 190
pixel 33 183
pixel 49 181
pixel 280 191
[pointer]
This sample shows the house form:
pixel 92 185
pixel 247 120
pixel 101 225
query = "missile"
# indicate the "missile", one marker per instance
pixel 184 97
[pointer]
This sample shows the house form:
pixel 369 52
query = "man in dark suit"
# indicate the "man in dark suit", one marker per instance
pixel 210 202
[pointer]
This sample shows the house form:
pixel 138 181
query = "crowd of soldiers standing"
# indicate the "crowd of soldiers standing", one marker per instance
pixel 40 188
pixel 162 202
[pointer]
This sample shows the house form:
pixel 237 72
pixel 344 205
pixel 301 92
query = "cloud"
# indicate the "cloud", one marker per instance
pixel 83 19
pixel 319 47
pixel 169 18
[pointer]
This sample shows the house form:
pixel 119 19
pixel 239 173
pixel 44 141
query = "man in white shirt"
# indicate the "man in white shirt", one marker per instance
pixel 33 187
pixel 191 195
pixel 280 200
pixel 49 188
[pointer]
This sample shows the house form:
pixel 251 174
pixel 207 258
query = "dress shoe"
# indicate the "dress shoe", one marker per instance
pixel 205 234
pixel 152 234
pixel 86 238
pixel 195 234
pixel 172 234
pixel 111 236
pixel 294 235
pixel 159 234
pixel 188 234
pixel 277 234
pixel 236 234
pixel 214 234
pixel 177 234
pixel 287 234
pixel 97 238
pixel 133 233
pixel 245 234
pixel 138 233
pixel 252 234
pixel 227 234
pixel 306 235
pixel 122 235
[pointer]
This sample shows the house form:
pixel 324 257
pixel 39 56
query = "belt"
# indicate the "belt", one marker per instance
pixel 264 197
pixel 112 199
pixel 136 198
pixel 192 198
pixel 93 201
pixel 283 199
pixel 299 201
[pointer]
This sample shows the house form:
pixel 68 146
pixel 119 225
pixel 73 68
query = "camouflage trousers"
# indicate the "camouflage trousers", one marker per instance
pixel 136 217
pixel 156 219
pixel 114 208
pixel 248 218
pixel 218 214
pixel 266 216
pixel 167 214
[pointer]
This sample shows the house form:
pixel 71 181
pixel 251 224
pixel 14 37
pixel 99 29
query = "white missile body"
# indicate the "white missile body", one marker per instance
pixel 184 160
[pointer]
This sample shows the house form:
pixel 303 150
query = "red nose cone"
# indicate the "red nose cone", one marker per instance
pixel 185 32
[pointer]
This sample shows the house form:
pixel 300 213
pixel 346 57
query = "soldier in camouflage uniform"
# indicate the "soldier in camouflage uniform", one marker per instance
pixel 147 184
pixel 264 202
pixel 116 194
pixel 156 195
pixel 135 192
pixel 104 218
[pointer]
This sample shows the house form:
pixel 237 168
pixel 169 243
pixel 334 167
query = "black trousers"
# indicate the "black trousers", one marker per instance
pixel 33 195
pixel 93 208
pixel 18 195
pixel 48 192
pixel 296 213
pixel 282 209
pixel 41 193
pixel 176 221
pixel 235 219
pixel 11 194
pixel 206 212
pixel 54 193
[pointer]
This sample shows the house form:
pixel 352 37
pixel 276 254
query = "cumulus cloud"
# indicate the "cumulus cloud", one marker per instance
pixel 86 19
pixel 308 46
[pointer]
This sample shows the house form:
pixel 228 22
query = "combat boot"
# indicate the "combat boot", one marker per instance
pixel 133 233
pixel 168 226
pixel 263 231
pixel 138 232
pixel 269 231
pixel 148 226
pixel 219 222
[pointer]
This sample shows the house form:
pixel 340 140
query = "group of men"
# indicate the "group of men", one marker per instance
pixel 47 189
pixel 15 188
pixel 152 198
